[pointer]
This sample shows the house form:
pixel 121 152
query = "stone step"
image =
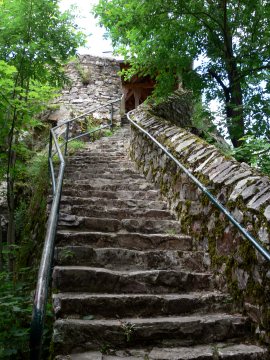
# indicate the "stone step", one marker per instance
pixel 104 224
pixel 97 151
pixel 80 305
pixel 215 351
pixel 109 171
pixel 109 200
pixel 104 181
pixel 86 184
pixel 100 169
pixel 100 280
pixel 126 259
pixel 135 241
pixel 97 156
pixel 119 213
pixel 133 195
pixel 103 166
pixel 105 147
pixel 113 186
pixel 71 175
pixel 82 335
pixel 114 144
pixel 88 161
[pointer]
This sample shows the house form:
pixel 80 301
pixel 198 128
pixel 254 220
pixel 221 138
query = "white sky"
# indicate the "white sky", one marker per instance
pixel 96 44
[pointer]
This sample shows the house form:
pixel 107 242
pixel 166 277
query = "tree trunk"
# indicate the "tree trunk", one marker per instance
pixel 11 211
pixel 1 248
pixel 234 96
pixel 234 107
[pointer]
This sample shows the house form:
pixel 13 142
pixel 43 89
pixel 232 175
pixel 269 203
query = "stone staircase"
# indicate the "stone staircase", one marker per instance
pixel 127 284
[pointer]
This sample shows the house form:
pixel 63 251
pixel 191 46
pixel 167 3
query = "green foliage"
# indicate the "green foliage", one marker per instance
pixel 37 38
pixel 203 122
pixel 36 41
pixel 202 118
pixel 93 125
pixel 127 329
pixel 15 314
pixel 16 288
pixel 75 145
pixel 256 152
pixel 230 38
pixel 32 221
pixel 84 73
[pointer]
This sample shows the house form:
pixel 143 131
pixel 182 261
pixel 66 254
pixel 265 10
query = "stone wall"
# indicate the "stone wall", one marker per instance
pixel 177 108
pixel 238 268
pixel 94 81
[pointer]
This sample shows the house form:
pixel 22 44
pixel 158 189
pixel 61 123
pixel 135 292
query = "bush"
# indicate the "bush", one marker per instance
pixel 255 152
pixel 15 315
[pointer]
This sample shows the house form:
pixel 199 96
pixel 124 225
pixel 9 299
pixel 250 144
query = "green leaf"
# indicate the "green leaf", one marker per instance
pixel 88 317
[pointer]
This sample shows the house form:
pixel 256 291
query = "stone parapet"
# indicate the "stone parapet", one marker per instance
pixel 238 268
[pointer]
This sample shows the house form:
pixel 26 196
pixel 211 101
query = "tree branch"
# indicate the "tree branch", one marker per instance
pixel 251 71
pixel 218 79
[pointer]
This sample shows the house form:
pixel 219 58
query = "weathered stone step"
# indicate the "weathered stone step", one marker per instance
pixel 126 259
pixel 86 184
pixel 215 351
pixel 100 170
pixel 133 241
pixel 109 171
pixel 108 194
pixel 119 213
pixel 71 175
pixel 104 224
pixel 104 147
pixel 104 181
pixel 79 305
pixel 115 165
pixel 98 156
pixel 109 200
pixel 120 149
pixel 113 186
pixel 100 280
pixel 88 162
pixel 114 144
pixel 82 335
pixel 94 148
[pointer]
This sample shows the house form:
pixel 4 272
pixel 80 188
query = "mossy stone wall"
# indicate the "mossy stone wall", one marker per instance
pixel 238 268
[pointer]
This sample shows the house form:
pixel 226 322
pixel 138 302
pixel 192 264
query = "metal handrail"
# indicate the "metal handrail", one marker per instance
pixel 212 198
pixel 44 275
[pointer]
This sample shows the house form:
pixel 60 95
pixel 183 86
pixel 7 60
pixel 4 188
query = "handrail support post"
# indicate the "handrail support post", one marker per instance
pixel 66 138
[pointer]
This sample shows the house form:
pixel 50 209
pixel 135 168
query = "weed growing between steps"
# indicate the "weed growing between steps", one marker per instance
pixel 17 288
pixel 128 329
pixel 74 146
pixel 94 124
